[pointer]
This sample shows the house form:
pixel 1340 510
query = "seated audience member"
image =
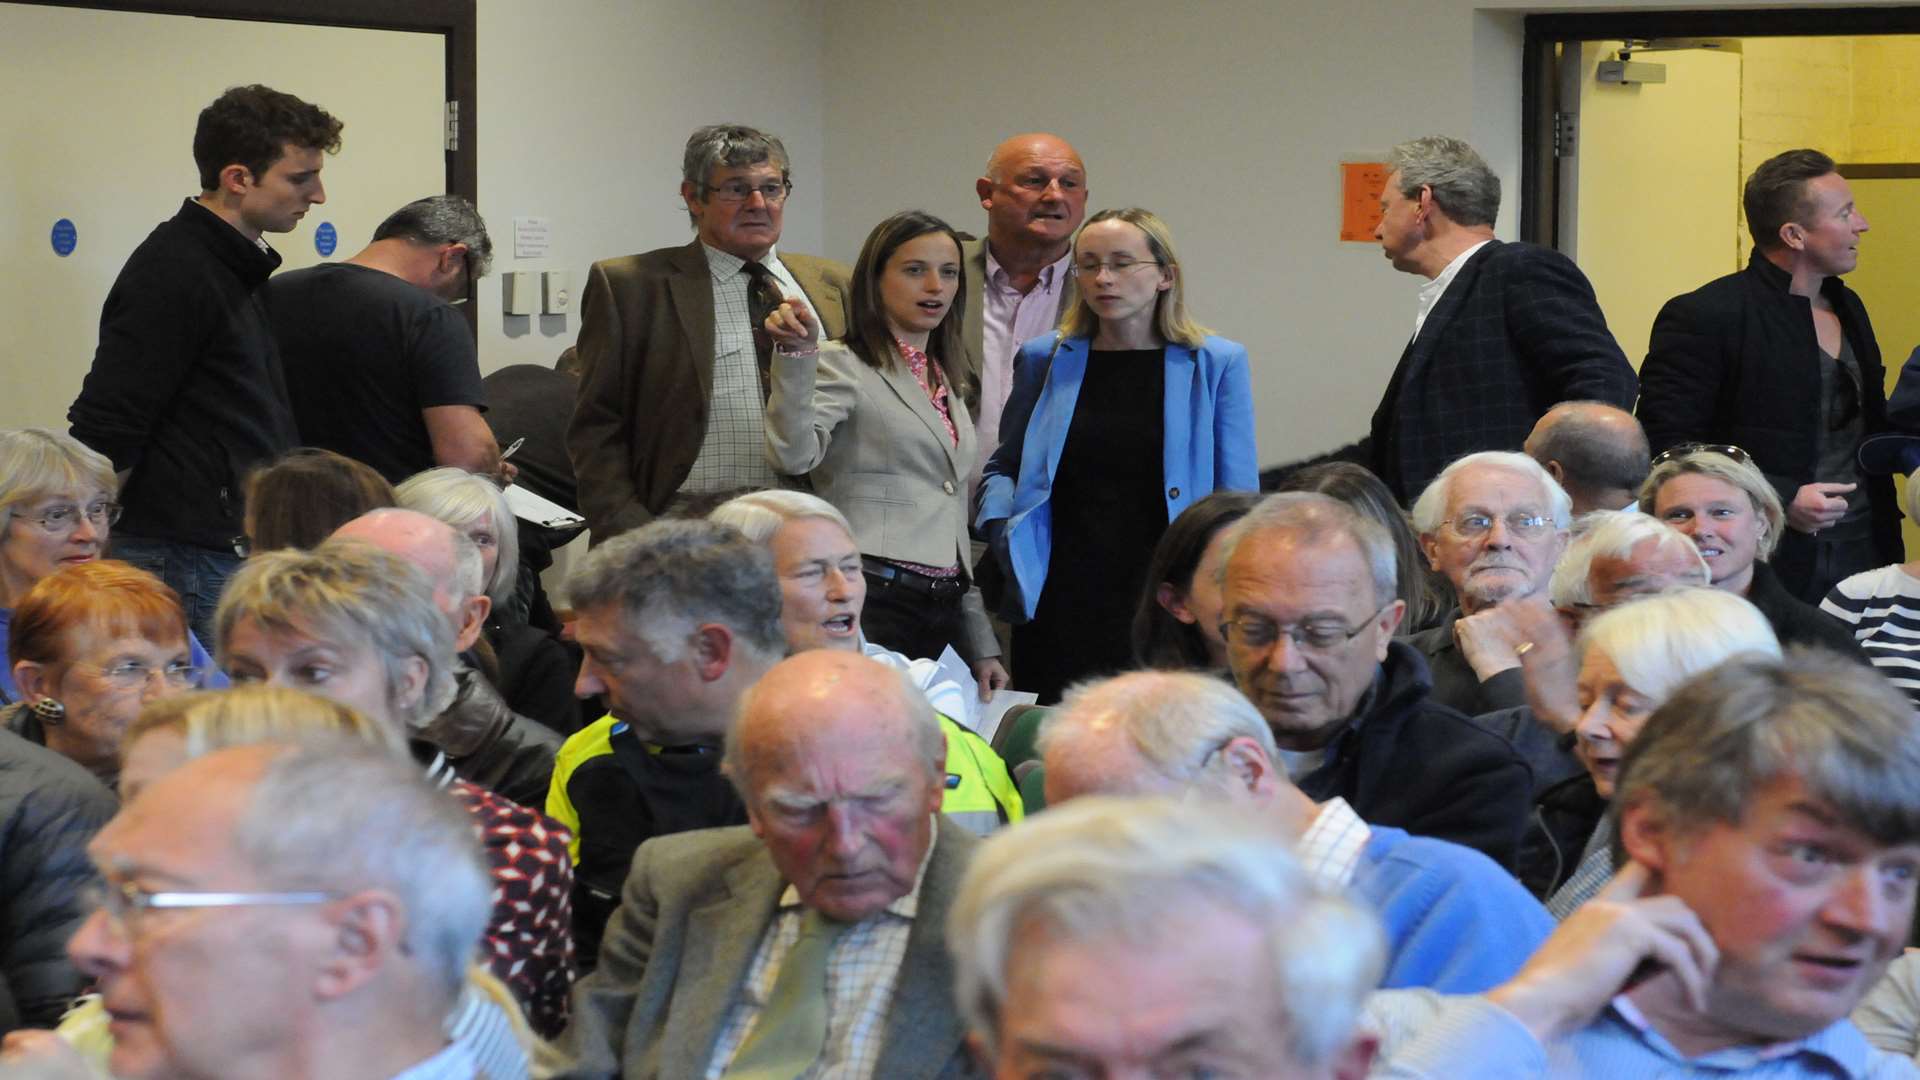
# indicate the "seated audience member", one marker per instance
pixel 49 809
pixel 330 956
pixel 1177 623
pixel 90 645
pixel 57 496
pixel 1421 588
pixel 1310 614
pixel 1494 524
pixel 1730 511
pixel 822 594
pixel 1596 452
pixel 1455 921
pixel 1769 828
pixel 358 625
pixel 1633 658
pixel 531 669
pixel 814 935
pixel 300 498
pixel 677 620
pixel 1883 609
pixel 484 740
pixel 486 1022
pixel 1146 937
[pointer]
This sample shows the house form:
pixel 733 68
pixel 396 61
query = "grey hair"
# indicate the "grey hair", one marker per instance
pixel 1319 517
pixel 1659 642
pixel 1741 474
pixel 759 514
pixel 1430 508
pixel 729 146
pixel 1834 723
pixel 469 568
pixel 1463 184
pixel 347 592
pixel 924 729
pixel 1613 534
pixel 670 576
pixel 38 462
pixel 460 498
pixel 1176 721
pixel 345 817
pixel 442 219
pixel 1139 869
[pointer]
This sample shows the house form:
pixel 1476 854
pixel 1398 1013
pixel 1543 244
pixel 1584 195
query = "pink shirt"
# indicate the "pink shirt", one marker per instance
pixel 1009 319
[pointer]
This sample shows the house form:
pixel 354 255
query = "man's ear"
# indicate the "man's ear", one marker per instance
pixel 983 187
pixel 1646 836
pixel 413 682
pixel 452 260
pixel 369 929
pixel 712 652
pixel 1793 235
pixel 1248 764
pixel 236 179
pixel 690 194
pixel 1431 549
pixel 473 621
pixel 1174 602
pixel 1557 471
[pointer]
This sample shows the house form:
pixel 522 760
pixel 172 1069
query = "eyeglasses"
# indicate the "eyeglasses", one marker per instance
pixel 1118 266
pixel 1474 526
pixel 135 674
pixel 1253 632
pixel 1691 448
pixel 64 520
pixel 739 191
pixel 125 903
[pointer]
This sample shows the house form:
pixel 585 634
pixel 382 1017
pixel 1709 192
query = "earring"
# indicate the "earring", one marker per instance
pixel 50 712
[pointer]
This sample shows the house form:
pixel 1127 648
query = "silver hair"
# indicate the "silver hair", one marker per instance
pixel 1659 642
pixel 37 462
pixel 924 729
pixel 1463 185
pixel 1137 870
pixel 759 514
pixel 460 498
pixel 1613 534
pixel 1741 474
pixel 348 592
pixel 668 577
pixel 1833 723
pixel 1319 517
pixel 1176 722
pixel 442 219
pixel 346 817
pixel 1430 509
pixel 730 146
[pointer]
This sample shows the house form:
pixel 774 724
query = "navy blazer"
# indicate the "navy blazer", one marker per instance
pixel 1209 446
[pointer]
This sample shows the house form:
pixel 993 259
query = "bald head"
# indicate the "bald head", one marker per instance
pixel 828 701
pixel 1035 195
pixel 1598 453
pixel 438 550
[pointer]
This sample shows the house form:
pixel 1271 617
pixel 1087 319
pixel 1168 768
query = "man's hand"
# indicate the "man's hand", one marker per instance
pixel 991 675
pixel 1817 506
pixel 1549 668
pixel 793 327
pixel 1600 948
pixel 1490 640
pixel 41 1055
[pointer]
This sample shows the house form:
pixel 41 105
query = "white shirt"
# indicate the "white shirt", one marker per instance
pixel 1330 848
pixel 1432 291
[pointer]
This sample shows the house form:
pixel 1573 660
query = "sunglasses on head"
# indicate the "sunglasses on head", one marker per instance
pixel 1673 453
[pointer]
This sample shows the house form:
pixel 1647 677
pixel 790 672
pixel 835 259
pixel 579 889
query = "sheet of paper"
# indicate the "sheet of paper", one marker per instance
pixel 1361 183
pixel 532 236
pixel 530 507
pixel 995 711
pixel 952 667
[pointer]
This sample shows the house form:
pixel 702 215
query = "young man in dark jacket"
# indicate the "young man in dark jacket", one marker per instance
pixel 186 392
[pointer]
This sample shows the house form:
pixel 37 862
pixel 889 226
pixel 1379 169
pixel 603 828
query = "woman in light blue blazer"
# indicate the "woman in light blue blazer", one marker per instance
pixel 1117 422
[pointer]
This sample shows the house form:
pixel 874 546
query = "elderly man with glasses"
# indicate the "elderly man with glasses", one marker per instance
pixel 673 354
pixel 1310 611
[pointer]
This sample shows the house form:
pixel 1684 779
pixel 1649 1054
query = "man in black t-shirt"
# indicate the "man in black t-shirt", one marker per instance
pixel 380 367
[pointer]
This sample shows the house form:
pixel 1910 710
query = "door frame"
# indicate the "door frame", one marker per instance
pixel 1539 73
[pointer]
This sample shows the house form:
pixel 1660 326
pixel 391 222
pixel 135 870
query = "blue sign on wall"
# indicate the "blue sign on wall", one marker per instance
pixel 325 239
pixel 65 237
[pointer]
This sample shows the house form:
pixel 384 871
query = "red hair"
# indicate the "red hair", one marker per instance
pixel 112 598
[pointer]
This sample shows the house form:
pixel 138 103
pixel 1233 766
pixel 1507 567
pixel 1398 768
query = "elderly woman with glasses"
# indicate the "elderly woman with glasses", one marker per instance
pixel 1120 420
pixel 90 645
pixel 1726 506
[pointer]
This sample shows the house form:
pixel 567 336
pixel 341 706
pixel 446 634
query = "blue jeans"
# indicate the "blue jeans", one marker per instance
pixel 196 573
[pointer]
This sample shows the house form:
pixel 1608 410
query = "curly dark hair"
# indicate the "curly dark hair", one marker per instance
pixel 252 126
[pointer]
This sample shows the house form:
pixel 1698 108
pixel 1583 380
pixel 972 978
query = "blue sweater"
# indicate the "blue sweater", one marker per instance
pixel 1455 921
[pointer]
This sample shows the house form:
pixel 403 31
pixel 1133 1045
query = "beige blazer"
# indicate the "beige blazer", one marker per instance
pixel 875 448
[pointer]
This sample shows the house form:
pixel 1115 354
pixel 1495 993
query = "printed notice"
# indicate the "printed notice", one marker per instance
pixel 531 237
pixel 1361 183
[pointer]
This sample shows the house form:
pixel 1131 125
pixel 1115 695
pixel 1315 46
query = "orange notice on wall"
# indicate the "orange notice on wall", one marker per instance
pixel 1361 183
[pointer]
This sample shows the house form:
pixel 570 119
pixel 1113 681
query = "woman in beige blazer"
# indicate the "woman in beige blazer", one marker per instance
pixel 878 423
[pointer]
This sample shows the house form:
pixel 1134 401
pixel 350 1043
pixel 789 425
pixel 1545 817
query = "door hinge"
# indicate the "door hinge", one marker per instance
pixel 1566 130
pixel 453 126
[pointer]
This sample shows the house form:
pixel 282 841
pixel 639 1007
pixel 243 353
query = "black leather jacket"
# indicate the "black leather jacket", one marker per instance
pixel 488 744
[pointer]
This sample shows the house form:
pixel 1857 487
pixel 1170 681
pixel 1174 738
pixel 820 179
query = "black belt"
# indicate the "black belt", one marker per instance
pixel 899 576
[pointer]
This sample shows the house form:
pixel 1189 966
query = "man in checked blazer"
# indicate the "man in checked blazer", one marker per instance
pixel 842 767
pixel 1503 331
pixel 672 393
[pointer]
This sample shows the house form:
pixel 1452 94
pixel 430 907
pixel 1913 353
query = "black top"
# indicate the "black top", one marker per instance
pixel 365 352
pixel 1796 622
pixel 186 388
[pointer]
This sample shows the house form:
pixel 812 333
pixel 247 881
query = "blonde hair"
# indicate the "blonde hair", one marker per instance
pixel 1170 312
pixel 209 720
pixel 1741 474
pixel 36 462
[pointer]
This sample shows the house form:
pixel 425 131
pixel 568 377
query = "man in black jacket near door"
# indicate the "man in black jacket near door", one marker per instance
pixel 1780 360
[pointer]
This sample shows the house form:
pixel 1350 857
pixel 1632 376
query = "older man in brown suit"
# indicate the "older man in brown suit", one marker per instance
pixel 673 359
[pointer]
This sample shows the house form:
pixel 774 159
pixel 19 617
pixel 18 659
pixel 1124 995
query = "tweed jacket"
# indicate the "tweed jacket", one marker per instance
pixel 646 375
